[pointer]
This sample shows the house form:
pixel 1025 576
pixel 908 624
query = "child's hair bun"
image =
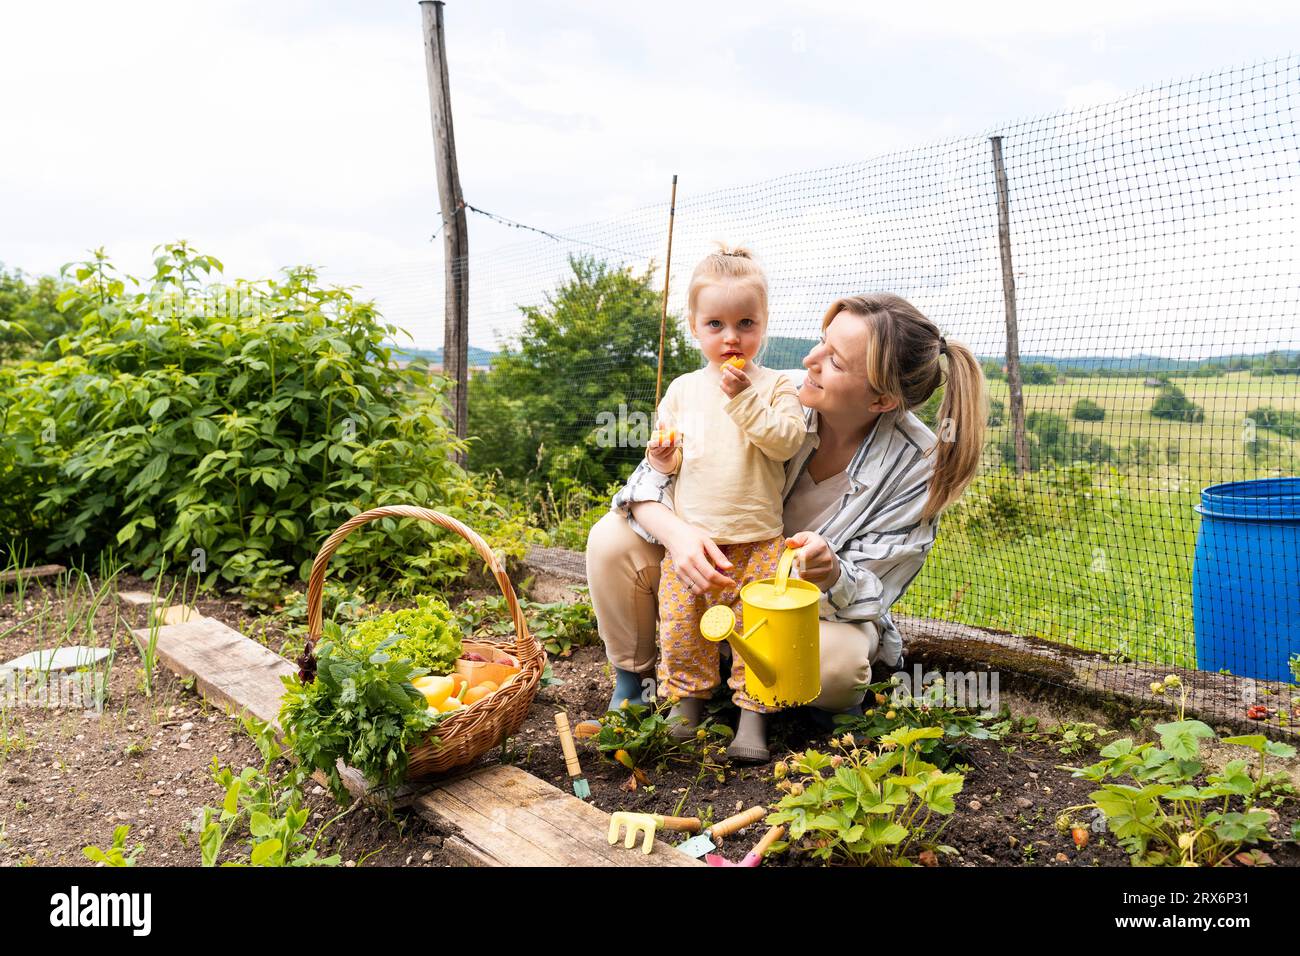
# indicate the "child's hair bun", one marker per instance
pixel 740 252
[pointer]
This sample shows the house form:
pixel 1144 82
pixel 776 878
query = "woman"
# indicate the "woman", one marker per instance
pixel 862 500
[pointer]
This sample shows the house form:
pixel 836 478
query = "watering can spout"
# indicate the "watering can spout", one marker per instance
pixel 719 624
pixel 781 645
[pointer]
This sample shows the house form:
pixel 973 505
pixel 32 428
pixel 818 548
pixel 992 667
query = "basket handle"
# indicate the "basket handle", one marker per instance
pixel 525 644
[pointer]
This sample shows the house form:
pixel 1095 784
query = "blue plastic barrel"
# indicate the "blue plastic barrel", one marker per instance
pixel 1246 578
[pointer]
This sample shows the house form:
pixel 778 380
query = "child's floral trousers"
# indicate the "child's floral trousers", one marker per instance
pixel 688 662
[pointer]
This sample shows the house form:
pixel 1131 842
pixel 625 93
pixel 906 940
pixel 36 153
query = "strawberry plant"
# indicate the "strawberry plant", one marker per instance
pixel 640 738
pixel 889 708
pixel 866 807
pixel 1165 817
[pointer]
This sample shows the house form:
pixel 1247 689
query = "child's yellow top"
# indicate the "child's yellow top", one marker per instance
pixel 732 467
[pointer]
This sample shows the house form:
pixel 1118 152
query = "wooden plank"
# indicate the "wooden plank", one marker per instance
pixel 226 666
pixel 508 814
pixel 140 598
pixel 30 574
pixel 178 614
pixel 504 816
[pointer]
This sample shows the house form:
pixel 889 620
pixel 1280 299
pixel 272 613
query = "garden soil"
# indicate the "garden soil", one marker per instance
pixel 68 778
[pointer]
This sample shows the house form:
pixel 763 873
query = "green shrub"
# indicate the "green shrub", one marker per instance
pixel 1173 405
pixel 997 412
pixel 236 427
pixel 1086 410
pixel 1007 507
pixel 1285 423
pixel 1050 440
pixel 1038 373
pixel 29 316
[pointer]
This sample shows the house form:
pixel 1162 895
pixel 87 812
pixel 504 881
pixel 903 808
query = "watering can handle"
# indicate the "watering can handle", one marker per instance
pixel 783 568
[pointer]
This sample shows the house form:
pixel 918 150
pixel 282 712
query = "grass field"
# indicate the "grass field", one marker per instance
pixel 1119 581
pixel 1206 452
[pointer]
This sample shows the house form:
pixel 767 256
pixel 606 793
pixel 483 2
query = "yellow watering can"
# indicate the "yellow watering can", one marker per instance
pixel 781 646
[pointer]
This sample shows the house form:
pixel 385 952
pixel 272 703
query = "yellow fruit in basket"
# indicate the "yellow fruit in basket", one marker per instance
pixel 479 691
pixel 434 688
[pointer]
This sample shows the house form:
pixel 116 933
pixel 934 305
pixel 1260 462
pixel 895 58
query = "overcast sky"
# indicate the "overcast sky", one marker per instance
pixel 278 132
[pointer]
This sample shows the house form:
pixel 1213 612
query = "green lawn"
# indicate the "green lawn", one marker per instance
pixel 1206 452
pixel 1119 582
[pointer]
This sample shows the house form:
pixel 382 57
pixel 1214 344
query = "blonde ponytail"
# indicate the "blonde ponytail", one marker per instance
pixel 904 360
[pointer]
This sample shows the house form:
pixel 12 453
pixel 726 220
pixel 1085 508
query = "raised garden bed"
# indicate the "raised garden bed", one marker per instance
pixel 68 779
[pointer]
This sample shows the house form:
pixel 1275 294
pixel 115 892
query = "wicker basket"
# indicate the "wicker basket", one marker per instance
pixel 465 736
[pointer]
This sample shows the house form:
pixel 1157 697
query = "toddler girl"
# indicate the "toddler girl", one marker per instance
pixel 726 432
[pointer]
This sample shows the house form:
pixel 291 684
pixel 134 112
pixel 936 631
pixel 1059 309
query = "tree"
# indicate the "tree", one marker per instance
pixel 1172 404
pixel 29 315
pixel 587 355
pixel 1050 440
pixel 1038 373
pixel 1086 410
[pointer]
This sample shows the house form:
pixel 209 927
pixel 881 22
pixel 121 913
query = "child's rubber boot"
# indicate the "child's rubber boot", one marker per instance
pixel 690 709
pixel 627 687
pixel 750 743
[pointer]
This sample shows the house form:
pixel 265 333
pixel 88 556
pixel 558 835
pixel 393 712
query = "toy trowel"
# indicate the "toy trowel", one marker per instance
pixel 698 846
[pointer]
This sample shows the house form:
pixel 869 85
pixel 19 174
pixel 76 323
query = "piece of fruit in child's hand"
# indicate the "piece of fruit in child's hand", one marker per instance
pixel 735 361
pixel 664 436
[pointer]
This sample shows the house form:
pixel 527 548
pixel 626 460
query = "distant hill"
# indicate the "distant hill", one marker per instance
pixel 478 358
pixel 787 352
pixel 1139 362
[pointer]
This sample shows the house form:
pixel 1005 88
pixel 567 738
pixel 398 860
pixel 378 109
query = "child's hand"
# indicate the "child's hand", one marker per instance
pixel 734 381
pixel 662 449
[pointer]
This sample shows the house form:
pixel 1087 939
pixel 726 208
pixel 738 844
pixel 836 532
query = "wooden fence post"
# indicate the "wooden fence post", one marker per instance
pixel 455 232
pixel 1009 301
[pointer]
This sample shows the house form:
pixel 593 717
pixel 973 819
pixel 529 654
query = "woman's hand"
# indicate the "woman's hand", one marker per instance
pixel 816 561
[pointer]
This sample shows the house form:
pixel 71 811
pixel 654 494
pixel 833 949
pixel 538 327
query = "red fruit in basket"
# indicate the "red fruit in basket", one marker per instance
pixel 471 656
